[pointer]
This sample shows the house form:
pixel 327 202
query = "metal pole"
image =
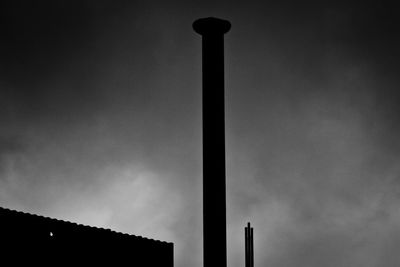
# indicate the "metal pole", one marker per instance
pixel 212 31
pixel 251 248
pixel 246 247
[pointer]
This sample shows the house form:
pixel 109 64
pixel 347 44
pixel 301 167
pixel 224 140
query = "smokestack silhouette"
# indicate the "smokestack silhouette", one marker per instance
pixel 212 31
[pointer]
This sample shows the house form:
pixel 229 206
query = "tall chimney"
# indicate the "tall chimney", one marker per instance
pixel 212 31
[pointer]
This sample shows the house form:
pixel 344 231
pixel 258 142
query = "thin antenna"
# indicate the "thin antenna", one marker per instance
pixel 251 248
pixel 246 248
pixel 249 245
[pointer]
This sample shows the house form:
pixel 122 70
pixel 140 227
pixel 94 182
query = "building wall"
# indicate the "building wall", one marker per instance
pixel 40 241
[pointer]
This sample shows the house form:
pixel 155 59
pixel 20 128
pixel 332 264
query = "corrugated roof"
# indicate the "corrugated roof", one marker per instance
pixel 83 227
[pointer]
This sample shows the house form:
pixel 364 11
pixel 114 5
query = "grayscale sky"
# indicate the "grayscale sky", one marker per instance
pixel 100 123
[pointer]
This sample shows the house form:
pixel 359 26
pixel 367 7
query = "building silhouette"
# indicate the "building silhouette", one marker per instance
pixel 32 240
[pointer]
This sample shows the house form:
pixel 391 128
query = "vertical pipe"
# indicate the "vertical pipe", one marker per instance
pixel 251 248
pixel 246 247
pixel 212 31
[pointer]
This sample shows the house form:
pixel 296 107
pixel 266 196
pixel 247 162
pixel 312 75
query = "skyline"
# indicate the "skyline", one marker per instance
pixel 100 124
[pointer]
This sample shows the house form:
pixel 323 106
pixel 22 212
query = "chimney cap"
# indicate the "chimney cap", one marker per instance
pixel 211 26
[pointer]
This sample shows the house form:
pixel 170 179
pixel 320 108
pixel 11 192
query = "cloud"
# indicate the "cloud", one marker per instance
pixel 100 121
pixel 313 171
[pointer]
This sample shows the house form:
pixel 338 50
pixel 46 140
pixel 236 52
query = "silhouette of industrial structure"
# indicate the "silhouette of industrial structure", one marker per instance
pixel 212 31
pixel 32 240
pixel 249 246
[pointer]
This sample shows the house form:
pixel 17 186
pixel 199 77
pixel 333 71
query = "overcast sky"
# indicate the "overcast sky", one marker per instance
pixel 100 123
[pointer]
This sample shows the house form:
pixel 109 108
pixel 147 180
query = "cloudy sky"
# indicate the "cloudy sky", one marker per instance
pixel 100 123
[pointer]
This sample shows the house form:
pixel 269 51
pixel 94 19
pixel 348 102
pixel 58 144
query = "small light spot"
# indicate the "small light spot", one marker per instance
pixel 51 234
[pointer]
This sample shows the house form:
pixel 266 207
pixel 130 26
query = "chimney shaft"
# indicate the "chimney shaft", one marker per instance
pixel 214 196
